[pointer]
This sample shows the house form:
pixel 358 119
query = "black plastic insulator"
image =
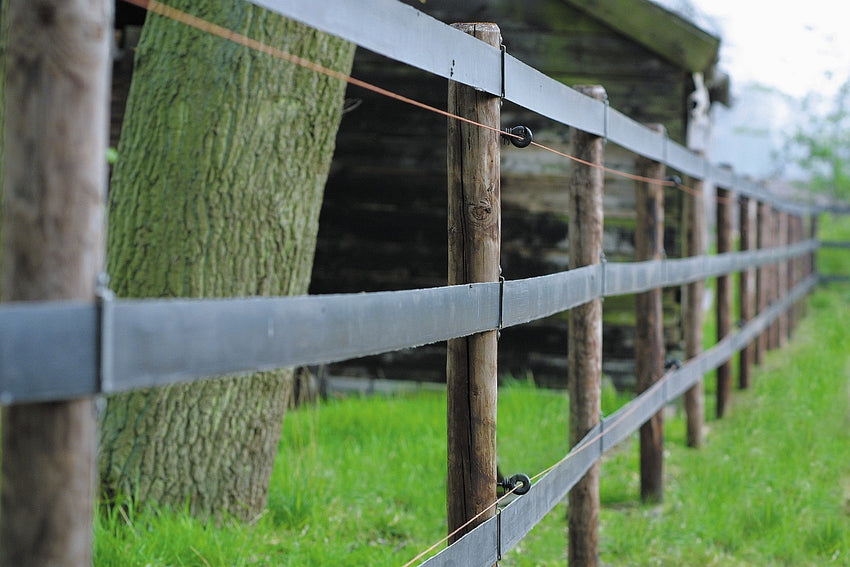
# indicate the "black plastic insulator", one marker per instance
pixel 510 484
pixel 524 132
pixel 674 179
pixel 524 480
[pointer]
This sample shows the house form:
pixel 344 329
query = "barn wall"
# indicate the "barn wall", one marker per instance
pixel 383 222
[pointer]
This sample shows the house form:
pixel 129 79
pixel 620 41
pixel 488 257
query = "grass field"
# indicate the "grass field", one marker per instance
pixel 362 481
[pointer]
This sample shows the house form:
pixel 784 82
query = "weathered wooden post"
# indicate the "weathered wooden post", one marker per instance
pixel 474 224
pixel 812 260
pixel 724 297
pixel 762 278
pixel 773 278
pixel 801 269
pixel 782 278
pixel 584 349
pixel 649 340
pixel 695 245
pixel 793 273
pixel 57 101
pixel 813 235
pixel 747 220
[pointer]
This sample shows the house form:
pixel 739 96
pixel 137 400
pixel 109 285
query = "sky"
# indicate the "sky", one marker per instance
pixel 790 49
pixel 797 47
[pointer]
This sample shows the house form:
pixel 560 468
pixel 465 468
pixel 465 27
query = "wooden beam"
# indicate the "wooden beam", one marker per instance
pixel 782 271
pixel 649 340
pixel 724 297
pixel 57 100
pixel 666 33
pixel 584 349
pixel 762 277
pixel 474 224
pixel 747 293
pixel 695 245
pixel 773 276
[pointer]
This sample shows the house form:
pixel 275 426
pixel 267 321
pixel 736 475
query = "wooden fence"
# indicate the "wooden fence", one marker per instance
pixel 66 350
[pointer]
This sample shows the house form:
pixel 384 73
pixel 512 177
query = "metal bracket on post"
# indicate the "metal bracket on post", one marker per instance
pixel 501 303
pixel 498 534
pixel 601 432
pixel 105 300
pixel 604 261
pixel 607 108
pixel 503 51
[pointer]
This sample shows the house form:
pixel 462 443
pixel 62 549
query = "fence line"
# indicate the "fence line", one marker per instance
pixel 155 342
pixel 403 33
pixel 483 545
pixel 116 345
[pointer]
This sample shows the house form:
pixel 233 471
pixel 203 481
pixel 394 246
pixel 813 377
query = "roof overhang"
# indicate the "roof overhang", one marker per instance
pixel 666 33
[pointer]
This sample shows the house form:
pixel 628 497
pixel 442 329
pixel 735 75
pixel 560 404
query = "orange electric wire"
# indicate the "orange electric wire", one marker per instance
pixel 203 25
pixel 630 410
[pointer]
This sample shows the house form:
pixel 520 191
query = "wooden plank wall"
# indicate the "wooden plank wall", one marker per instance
pixel 383 222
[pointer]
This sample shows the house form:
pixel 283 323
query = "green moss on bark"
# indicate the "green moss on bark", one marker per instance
pixel 222 164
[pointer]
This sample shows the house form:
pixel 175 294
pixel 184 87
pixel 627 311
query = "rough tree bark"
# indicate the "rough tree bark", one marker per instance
pixel 222 164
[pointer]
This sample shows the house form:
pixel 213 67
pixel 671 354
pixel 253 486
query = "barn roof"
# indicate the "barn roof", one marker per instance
pixel 661 29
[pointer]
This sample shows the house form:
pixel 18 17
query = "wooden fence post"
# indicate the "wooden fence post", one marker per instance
pixel 649 340
pixel 801 267
pixel 724 297
pixel 813 235
pixel 793 271
pixel 773 278
pixel 762 296
pixel 811 268
pixel 474 224
pixel 747 219
pixel 584 348
pixel 782 271
pixel 695 245
pixel 57 100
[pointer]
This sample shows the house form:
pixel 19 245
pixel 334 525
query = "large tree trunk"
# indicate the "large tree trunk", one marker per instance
pixel 216 192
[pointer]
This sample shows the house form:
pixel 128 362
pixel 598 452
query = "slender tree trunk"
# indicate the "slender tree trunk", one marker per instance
pixel 217 189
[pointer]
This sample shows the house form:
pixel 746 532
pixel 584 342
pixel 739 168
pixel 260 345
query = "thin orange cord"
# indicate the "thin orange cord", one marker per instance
pixel 213 29
pixel 203 25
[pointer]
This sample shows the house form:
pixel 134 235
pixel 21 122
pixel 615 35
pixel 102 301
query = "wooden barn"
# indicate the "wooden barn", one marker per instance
pixel 383 222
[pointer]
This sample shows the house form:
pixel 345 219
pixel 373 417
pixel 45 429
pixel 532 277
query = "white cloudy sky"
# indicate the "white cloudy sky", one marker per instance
pixel 795 47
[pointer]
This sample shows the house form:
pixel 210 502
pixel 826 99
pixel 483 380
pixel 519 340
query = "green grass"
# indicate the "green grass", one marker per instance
pixel 359 481
pixel 362 481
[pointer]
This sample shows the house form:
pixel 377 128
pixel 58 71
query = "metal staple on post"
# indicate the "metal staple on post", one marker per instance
pixel 605 109
pixel 604 261
pixel 501 301
pixel 105 303
pixel 503 51
pixel 498 534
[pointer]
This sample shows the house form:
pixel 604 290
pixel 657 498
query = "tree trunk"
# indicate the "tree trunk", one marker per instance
pixel 217 189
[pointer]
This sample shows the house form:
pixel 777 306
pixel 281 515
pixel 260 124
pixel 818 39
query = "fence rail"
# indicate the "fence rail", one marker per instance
pixel 482 546
pixel 120 345
pixel 401 32
pixel 67 350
